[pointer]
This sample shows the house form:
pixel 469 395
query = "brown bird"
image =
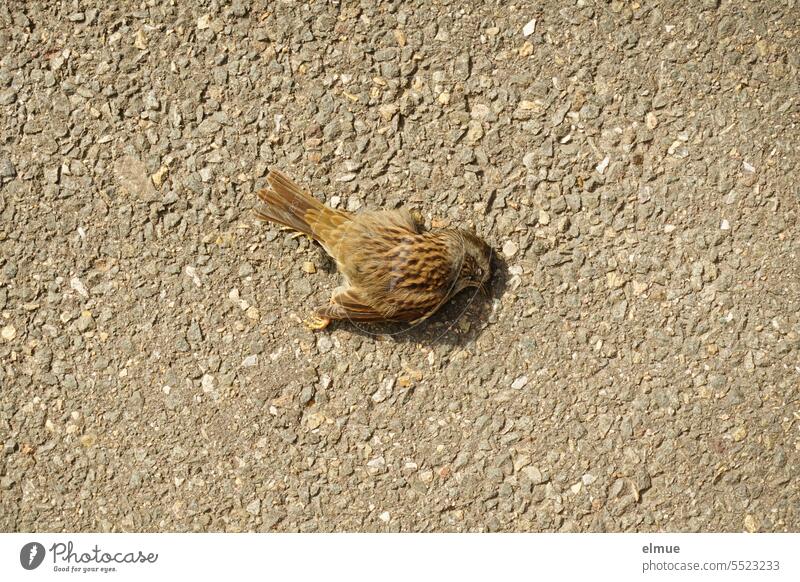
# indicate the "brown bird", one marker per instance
pixel 393 270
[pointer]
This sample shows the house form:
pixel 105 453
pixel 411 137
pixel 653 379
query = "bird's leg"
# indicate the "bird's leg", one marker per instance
pixel 294 233
pixel 298 234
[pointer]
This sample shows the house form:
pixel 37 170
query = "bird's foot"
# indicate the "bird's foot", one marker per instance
pixel 417 217
pixel 317 323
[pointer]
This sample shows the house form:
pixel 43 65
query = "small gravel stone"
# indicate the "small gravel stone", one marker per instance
pixel 376 465
pixel 474 131
pixel 387 111
pixel 132 178
pixel 384 392
pixel 510 248
pixel 254 507
pixel 171 220
pixel 246 269
pixel 151 101
pixel 140 40
pixel 529 28
pixel 9 332
pixel 615 280
pixel 194 334
pixel 208 127
pixel 750 524
pixel 7 169
pixel 678 149
pixel 324 344
pixel 480 111
pixel 529 161
pixel 10 270
pixel 88 440
pixel 314 420
pixel 191 272
pixel 739 433
pixel 519 383
pixel 534 475
pixel 307 394
pixel 461 68
pixel 544 217
pixel 76 284
pixel 8 97
pixel 207 383
pixel 85 322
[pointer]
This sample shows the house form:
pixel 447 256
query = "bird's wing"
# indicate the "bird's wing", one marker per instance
pixel 350 304
pixel 398 221
pixel 402 218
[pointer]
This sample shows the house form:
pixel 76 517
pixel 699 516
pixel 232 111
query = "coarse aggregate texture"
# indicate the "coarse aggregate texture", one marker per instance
pixel 635 164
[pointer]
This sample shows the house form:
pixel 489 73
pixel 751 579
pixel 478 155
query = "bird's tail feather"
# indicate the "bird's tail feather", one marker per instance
pixel 287 204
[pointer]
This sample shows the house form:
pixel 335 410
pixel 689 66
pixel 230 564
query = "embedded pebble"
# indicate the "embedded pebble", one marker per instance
pixel 510 248
pixel 85 322
pixel 76 284
pixel 385 391
pixel 534 475
pixel 544 217
pixel 529 28
pixel 519 383
pixel 9 332
pixel 254 507
pixel 324 344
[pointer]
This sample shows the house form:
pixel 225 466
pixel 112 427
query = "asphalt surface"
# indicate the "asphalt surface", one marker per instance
pixel 634 164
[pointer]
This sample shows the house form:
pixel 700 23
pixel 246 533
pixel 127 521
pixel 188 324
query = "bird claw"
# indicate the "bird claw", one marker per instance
pixel 317 323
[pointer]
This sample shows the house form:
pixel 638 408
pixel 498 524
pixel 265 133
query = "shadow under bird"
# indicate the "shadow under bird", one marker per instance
pixel 393 270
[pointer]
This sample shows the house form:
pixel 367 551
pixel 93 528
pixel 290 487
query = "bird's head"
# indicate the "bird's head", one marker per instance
pixel 476 270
